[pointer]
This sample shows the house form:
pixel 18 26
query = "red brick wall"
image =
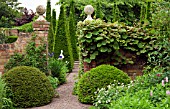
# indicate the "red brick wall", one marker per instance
pixel 132 70
pixel 6 50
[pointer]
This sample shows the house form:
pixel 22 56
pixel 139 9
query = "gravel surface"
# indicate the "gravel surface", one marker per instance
pixel 66 99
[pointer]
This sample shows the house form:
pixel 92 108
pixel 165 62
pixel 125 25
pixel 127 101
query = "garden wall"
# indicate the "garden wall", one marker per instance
pixel 116 44
pixel 6 50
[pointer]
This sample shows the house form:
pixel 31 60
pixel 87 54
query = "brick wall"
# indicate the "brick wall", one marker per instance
pixel 132 70
pixel 6 50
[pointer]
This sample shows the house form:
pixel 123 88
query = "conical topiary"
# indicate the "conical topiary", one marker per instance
pixel 51 39
pixel 72 30
pixel 54 20
pixel 48 11
pixel 62 40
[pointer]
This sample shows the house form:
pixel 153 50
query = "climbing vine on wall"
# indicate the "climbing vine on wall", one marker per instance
pixel 98 38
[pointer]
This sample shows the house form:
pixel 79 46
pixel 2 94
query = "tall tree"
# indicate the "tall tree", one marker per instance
pixel 54 20
pixel 72 30
pixel 48 11
pixel 50 39
pixel 9 10
pixel 62 40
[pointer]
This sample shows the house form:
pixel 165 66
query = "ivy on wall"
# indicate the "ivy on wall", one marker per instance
pixel 98 38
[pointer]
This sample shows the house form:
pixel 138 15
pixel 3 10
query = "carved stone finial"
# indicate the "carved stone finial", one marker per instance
pixel 40 10
pixel 89 11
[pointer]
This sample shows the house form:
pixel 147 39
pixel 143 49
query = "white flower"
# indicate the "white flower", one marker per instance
pixel 109 86
pixel 166 79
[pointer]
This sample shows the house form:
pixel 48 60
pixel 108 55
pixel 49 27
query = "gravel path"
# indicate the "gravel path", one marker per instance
pixel 66 99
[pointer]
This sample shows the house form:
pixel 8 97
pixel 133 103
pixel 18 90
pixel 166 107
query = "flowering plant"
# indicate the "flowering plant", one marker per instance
pixel 111 92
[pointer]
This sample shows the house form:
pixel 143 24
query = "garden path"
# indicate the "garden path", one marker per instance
pixel 66 99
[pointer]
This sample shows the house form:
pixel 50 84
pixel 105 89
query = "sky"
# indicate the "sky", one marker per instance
pixel 32 4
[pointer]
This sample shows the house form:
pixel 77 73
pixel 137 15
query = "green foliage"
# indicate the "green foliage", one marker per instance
pixel 161 22
pixel 105 96
pixel 126 11
pixel 97 39
pixel 161 56
pixel 51 39
pixel 58 69
pixel 160 17
pixel 29 85
pixel 8 12
pixel 72 30
pixel 116 13
pixel 6 39
pixel 151 78
pixel 5 102
pixel 99 77
pixel 148 87
pixel 99 13
pixel 139 100
pixel 54 81
pixel 62 40
pixel 25 28
pixel 48 11
pixel 34 56
pixel 11 39
pixel 54 20
pixel 153 98
pixel 3 38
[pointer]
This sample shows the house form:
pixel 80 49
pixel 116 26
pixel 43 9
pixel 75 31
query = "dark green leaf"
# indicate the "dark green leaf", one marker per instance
pixel 122 30
pixel 89 35
pixel 116 45
pixel 88 60
pixel 99 38
pixel 140 45
pixel 103 49
pixel 124 36
pixel 99 44
pixel 95 33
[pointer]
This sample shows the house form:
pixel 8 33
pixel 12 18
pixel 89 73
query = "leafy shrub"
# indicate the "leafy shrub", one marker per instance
pixel 58 69
pixel 5 102
pixel 99 77
pixel 25 28
pixel 3 38
pixel 161 56
pixel 27 17
pixel 98 38
pixel 137 101
pixel 54 81
pixel 30 87
pixel 105 96
pixel 150 79
pixel 34 56
pixel 148 87
pixel 156 97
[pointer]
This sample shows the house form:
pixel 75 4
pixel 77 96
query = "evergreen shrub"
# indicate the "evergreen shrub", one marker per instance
pixel 58 69
pixel 30 87
pixel 62 40
pixel 72 30
pixel 97 78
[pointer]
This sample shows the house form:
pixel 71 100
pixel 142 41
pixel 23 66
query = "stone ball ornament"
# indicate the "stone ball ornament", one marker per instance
pixel 89 11
pixel 40 11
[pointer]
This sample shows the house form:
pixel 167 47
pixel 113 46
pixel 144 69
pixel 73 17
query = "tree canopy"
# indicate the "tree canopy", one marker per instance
pixel 9 10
